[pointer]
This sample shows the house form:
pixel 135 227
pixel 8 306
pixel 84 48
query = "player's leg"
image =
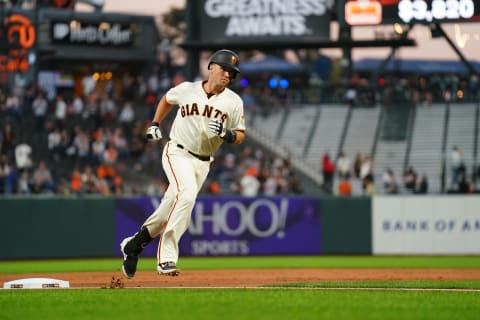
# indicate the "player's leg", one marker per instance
pixel 190 178
pixel 131 247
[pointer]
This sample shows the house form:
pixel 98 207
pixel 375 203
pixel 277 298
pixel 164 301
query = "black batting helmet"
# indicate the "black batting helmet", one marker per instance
pixel 225 58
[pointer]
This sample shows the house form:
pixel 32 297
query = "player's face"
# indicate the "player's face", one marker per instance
pixel 221 75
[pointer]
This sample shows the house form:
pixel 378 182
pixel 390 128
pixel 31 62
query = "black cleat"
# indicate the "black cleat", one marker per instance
pixel 130 261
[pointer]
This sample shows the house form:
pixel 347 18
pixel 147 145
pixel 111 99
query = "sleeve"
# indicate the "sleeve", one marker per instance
pixel 174 94
pixel 238 117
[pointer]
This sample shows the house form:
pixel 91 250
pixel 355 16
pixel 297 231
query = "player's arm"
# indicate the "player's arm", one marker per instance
pixel 231 136
pixel 239 136
pixel 163 108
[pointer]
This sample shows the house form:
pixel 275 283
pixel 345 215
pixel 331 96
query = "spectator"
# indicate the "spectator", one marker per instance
pixel 76 181
pixel 270 186
pixel 357 164
pixel 120 143
pixel 423 185
pixel 410 179
pixel 8 140
pixel 463 185
pixel 23 183
pixel 77 107
pixel 40 108
pixel 98 149
pixel 389 182
pixel 5 171
pixel 60 112
pixel 328 169
pixel 89 181
pixel 81 143
pixel 23 153
pixel 345 186
pixel 43 180
pixel 13 107
pixel 55 146
pixel 456 158
pixel 126 118
pixel 249 184
pixel 344 165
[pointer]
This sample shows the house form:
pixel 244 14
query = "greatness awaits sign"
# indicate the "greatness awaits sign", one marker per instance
pixel 264 19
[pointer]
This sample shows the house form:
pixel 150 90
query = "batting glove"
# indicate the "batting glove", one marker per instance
pixel 216 127
pixel 153 132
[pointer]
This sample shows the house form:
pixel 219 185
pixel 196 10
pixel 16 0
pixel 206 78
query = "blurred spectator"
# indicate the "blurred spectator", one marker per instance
pixel 8 140
pixel 456 158
pixel 120 143
pixel 77 107
pixel 98 149
pixel 344 165
pixel 464 185
pixel 422 185
pixel 126 118
pixel 6 172
pixel 13 107
pixel 60 112
pixel 89 181
pixel 40 108
pixel 42 179
pixel 357 164
pixel 23 183
pixel 55 146
pixel 81 143
pixel 249 184
pixel 390 185
pixel 23 159
pixel 410 179
pixel 76 181
pixel 345 186
pixel 110 155
pixel 328 170
pixel 108 109
pixel 351 96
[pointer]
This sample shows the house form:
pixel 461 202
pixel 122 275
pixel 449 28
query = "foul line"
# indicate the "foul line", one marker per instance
pixel 290 288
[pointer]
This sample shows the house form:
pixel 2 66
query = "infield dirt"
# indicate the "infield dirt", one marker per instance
pixel 247 278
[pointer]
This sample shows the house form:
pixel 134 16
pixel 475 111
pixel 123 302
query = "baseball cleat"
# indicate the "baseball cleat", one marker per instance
pixel 168 269
pixel 130 261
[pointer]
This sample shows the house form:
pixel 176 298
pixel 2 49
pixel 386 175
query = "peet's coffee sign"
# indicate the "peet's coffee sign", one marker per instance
pixel 264 19
pixel 99 34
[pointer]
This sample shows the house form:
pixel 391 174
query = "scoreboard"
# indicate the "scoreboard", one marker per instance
pixel 371 12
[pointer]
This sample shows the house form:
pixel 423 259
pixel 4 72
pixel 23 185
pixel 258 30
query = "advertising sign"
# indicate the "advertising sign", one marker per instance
pixel 234 225
pixel 368 12
pixel 426 225
pixel 263 20
pixel 88 33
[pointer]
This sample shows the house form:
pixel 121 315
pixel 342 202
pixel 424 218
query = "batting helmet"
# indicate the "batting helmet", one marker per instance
pixel 225 58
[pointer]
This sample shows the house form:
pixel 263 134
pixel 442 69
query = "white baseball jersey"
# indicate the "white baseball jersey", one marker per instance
pixel 190 127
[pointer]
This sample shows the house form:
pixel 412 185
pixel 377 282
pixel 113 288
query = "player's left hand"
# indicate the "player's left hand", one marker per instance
pixel 216 127
pixel 153 132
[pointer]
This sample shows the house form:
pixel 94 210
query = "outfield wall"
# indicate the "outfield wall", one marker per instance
pixel 426 225
pixel 94 226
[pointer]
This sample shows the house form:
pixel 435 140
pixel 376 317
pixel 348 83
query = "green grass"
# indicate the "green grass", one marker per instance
pixel 234 304
pixel 78 265
pixel 318 300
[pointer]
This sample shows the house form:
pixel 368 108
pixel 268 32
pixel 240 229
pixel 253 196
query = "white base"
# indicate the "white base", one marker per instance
pixel 36 283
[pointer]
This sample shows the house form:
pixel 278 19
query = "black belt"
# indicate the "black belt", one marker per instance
pixel 203 158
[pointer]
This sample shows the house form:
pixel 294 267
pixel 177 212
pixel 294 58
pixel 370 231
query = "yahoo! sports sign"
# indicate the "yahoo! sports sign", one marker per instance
pixel 235 225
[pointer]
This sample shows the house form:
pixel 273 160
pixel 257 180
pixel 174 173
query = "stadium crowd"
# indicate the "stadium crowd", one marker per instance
pixel 54 143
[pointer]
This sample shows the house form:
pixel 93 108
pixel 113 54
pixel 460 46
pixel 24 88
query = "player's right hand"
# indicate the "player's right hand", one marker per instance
pixel 153 132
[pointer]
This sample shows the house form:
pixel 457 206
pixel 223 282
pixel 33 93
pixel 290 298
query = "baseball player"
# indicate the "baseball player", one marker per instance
pixel 209 114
